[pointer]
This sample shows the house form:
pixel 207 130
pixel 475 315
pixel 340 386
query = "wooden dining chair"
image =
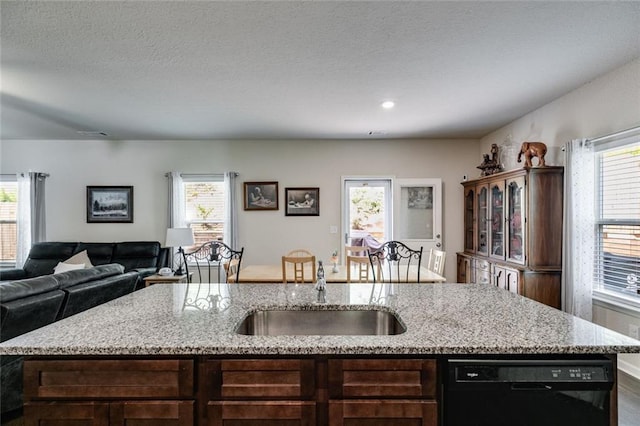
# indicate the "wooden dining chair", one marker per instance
pixel 359 265
pixel 298 259
pixel 393 261
pixel 436 261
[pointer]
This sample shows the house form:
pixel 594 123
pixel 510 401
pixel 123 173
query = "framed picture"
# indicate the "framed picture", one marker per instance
pixel 261 195
pixel 109 204
pixel 302 201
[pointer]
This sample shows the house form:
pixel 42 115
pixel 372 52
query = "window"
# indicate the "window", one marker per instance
pixel 205 207
pixel 8 221
pixel 618 217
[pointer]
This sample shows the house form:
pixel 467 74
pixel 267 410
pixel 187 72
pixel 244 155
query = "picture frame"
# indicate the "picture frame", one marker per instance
pixel 261 196
pixel 302 201
pixel 109 204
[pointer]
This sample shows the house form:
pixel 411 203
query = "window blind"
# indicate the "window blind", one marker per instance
pixel 618 227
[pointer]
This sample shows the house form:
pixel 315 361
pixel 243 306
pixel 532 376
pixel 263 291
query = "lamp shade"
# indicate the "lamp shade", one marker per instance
pixel 179 237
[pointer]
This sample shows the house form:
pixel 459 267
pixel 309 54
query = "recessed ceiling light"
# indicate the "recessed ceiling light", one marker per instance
pixel 388 104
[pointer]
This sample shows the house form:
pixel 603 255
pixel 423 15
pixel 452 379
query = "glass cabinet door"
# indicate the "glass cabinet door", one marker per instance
pixel 469 199
pixel 482 219
pixel 516 220
pixel 496 233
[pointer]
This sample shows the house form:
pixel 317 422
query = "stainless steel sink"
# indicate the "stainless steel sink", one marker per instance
pixel 321 322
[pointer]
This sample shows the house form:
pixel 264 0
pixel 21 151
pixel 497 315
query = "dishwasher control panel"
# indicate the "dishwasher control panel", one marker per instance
pixel 539 371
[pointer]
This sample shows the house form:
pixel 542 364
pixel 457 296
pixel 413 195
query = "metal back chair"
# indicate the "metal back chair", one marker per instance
pixel 213 259
pixel 391 263
pixel 436 261
pixel 298 259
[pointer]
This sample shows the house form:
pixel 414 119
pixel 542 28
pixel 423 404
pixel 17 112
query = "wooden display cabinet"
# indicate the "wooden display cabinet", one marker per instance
pixel 513 232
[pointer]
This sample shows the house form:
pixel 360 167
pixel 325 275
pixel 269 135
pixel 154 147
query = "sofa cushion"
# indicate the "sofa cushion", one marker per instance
pixel 136 254
pixel 12 290
pixel 99 253
pixel 81 257
pixel 96 292
pixel 64 267
pixel 80 276
pixel 44 256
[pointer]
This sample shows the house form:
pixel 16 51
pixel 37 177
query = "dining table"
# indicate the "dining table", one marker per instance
pixel 265 274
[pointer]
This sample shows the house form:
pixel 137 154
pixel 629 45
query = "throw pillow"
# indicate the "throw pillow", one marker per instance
pixel 64 267
pixel 81 257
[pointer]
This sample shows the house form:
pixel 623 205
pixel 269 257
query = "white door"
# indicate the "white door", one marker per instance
pixel 366 209
pixel 417 213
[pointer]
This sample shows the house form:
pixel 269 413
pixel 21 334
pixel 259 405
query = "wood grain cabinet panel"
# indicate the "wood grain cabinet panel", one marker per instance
pixel 382 378
pixel 156 413
pixel 67 413
pixel 108 379
pixel 261 413
pixel 383 412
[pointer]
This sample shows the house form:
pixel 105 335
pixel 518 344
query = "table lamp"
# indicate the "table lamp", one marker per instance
pixel 178 237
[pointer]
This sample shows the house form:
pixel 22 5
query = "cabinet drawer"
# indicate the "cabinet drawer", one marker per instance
pixel 125 379
pixel 261 413
pixel 378 412
pixel 257 378
pixel 158 413
pixel 382 378
pixel 68 413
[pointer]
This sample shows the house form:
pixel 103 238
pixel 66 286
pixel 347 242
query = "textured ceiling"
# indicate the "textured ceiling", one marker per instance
pixel 312 69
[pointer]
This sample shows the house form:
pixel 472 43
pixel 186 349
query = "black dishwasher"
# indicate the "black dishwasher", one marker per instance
pixel 527 392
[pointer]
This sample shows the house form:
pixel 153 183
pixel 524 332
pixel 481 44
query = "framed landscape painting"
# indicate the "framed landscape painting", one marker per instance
pixel 261 195
pixel 302 201
pixel 109 204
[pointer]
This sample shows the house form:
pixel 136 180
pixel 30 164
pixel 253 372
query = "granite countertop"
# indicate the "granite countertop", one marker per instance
pixel 191 319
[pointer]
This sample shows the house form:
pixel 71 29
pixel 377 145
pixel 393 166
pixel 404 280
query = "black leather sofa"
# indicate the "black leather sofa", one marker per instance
pixel 32 297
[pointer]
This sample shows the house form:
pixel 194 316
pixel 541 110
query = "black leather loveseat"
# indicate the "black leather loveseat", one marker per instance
pixel 32 297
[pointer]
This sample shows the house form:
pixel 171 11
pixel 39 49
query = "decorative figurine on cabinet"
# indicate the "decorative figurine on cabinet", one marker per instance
pixel 491 165
pixel 530 150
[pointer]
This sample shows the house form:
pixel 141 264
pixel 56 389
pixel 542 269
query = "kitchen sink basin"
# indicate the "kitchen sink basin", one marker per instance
pixel 321 322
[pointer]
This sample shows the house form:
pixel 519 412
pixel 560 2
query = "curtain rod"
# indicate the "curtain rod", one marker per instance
pixel 616 135
pixel 236 174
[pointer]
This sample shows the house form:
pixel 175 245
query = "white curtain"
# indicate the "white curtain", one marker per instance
pixel 31 213
pixel 177 215
pixel 579 228
pixel 231 230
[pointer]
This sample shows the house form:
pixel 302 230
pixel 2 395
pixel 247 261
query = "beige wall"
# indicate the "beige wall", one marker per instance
pixel 605 105
pixel 266 235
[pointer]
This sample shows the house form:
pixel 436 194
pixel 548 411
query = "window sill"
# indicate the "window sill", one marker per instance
pixel 617 302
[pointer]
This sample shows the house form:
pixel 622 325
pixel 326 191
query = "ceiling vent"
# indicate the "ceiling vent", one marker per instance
pixel 92 133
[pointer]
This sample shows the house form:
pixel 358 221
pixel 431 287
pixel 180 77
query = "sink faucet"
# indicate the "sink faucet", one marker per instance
pixel 321 284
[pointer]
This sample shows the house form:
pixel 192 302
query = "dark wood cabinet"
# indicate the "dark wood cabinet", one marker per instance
pixel 513 232
pixel 217 391
pixel 109 392
pixel 257 392
pixel 372 391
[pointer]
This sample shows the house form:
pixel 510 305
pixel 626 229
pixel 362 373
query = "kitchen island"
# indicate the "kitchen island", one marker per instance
pixel 173 350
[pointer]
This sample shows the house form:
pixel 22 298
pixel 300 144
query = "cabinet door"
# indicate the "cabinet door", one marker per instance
pixel 482 219
pixel 499 276
pixel 513 280
pixel 157 413
pixel 496 232
pixel 469 219
pixel 67 413
pixel 378 412
pixel 516 220
pixel 261 413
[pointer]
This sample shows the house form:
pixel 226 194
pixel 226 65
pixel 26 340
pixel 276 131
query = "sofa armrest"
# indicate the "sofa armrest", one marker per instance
pixel 12 274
